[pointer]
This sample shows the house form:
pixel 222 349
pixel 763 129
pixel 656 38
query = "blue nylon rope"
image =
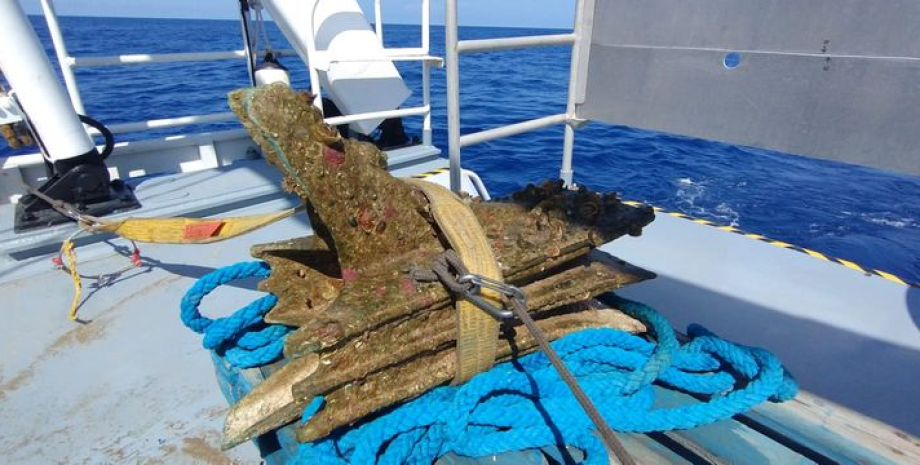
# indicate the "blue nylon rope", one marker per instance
pixel 243 338
pixel 524 404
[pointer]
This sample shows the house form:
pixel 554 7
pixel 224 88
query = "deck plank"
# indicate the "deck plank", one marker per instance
pixel 843 435
pixel 645 450
pixel 727 441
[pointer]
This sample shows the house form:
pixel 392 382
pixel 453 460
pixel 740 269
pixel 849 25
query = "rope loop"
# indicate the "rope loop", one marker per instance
pixel 525 404
pixel 243 338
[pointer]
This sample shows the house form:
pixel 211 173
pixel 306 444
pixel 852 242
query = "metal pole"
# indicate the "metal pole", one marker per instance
pixel 246 31
pixel 43 98
pixel 568 148
pixel 510 43
pixel 426 72
pixel 378 21
pixel 500 132
pixel 426 26
pixel 568 144
pixel 453 92
pixel 385 114
pixel 140 59
pixel 60 49
pixel 426 101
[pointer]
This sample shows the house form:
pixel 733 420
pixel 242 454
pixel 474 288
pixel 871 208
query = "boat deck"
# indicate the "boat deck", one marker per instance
pixel 133 384
pixel 849 337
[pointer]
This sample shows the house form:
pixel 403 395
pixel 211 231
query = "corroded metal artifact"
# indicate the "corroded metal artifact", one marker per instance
pixel 368 334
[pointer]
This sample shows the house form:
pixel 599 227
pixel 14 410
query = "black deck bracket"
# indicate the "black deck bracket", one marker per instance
pixel 83 182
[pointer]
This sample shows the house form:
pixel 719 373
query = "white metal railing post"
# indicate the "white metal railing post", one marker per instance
pixel 60 49
pixel 454 47
pixel 426 101
pixel 451 56
pixel 426 72
pixel 426 26
pixel 378 20
pixel 566 173
pixel 315 87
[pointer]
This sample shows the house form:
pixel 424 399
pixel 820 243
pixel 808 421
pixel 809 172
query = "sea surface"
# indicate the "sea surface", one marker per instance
pixel 859 214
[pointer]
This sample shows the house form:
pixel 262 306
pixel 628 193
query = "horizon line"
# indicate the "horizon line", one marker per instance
pixel 40 15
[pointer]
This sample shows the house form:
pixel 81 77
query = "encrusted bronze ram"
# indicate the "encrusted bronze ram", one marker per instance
pixel 369 335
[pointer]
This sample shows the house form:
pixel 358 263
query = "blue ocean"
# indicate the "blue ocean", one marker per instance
pixel 859 214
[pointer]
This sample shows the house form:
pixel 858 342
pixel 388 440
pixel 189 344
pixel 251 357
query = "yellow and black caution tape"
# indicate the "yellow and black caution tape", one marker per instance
pixel 428 174
pixel 785 245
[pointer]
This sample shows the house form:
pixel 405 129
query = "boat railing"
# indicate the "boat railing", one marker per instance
pixel 188 150
pixel 321 60
pixel 69 63
pixel 318 60
pixel 455 47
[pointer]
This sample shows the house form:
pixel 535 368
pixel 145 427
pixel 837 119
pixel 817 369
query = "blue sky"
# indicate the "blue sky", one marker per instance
pixel 522 13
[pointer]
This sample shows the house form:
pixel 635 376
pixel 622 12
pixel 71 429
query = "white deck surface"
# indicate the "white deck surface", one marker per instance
pixel 133 385
pixel 848 337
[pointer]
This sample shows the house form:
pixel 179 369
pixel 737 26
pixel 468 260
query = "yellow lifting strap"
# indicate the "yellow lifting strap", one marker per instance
pixel 477 331
pixel 67 250
pixel 187 230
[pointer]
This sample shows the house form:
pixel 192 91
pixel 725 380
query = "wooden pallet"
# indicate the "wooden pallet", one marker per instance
pixel 807 429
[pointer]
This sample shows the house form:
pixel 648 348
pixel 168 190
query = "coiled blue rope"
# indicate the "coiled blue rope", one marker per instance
pixel 243 338
pixel 524 404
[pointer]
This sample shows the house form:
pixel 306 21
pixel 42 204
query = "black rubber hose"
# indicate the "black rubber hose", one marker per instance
pixel 106 134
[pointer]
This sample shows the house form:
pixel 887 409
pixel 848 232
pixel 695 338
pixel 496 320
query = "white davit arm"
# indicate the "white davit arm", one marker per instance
pixel 324 31
pixel 36 86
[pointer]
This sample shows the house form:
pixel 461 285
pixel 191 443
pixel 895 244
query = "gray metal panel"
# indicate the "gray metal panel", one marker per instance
pixel 850 27
pixel 830 79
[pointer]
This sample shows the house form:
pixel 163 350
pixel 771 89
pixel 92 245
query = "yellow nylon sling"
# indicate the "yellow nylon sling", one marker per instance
pixel 187 230
pixel 477 331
